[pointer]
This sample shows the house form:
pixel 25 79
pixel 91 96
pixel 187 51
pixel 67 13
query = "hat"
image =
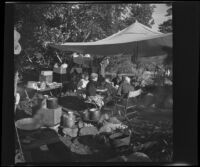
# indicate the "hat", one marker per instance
pixel 94 75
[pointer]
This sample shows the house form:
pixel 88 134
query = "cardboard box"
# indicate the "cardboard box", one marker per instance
pixel 52 117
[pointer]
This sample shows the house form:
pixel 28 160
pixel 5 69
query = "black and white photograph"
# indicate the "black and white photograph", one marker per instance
pixel 93 82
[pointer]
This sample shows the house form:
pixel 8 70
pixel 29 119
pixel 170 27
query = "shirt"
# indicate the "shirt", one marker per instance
pixel 91 88
pixel 124 89
pixel 111 89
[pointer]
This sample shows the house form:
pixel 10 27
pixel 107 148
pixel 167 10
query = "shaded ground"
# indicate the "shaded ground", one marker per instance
pixel 153 133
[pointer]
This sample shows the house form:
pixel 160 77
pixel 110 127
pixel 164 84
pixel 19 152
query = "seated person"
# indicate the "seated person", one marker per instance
pixel 83 82
pixel 110 86
pixel 91 91
pixel 111 91
pixel 135 83
pixel 117 80
pixel 125 87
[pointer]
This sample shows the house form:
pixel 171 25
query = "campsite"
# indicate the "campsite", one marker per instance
pixel 102 92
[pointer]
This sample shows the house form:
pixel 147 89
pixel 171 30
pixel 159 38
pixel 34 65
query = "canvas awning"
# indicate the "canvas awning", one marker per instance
pixel 137 39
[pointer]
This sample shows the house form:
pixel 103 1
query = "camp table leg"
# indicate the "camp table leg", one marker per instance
pixel 51 93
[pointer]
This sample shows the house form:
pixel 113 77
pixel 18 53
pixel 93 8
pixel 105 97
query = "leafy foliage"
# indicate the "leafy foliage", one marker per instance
pixel 142 13
pixel 166 26
pixel 41 23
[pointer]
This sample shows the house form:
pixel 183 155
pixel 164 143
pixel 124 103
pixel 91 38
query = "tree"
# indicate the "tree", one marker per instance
pixel 166 26
pixel 142 13
pixel 41 23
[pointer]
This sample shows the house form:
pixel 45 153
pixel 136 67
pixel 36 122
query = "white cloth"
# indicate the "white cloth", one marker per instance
pixel 135 93
pixel 82 84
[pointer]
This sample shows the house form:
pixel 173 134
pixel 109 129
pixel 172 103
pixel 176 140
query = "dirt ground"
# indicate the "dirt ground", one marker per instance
pixel 153 134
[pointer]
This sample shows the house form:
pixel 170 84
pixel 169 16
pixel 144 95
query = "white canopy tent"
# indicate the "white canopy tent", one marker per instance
pixel 136 40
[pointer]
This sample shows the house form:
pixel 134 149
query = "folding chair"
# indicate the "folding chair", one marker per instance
pixel 127 103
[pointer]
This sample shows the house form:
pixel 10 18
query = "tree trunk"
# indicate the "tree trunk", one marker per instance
pixel 15 86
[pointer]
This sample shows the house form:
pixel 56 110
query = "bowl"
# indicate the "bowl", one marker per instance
pixel 27 124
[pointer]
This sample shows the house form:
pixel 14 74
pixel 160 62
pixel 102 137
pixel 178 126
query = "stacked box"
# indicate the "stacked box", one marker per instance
pixel 52 117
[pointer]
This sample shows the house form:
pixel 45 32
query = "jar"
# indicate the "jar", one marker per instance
pixel 68 120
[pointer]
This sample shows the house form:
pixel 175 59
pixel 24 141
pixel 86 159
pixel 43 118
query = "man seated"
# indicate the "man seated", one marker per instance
pixel 117 80
pixel 111 91
pixel 125 87
pixel 91 91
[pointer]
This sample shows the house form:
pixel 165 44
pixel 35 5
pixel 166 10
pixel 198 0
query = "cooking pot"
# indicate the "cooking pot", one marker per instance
pixel 52 103
pixel 94 114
